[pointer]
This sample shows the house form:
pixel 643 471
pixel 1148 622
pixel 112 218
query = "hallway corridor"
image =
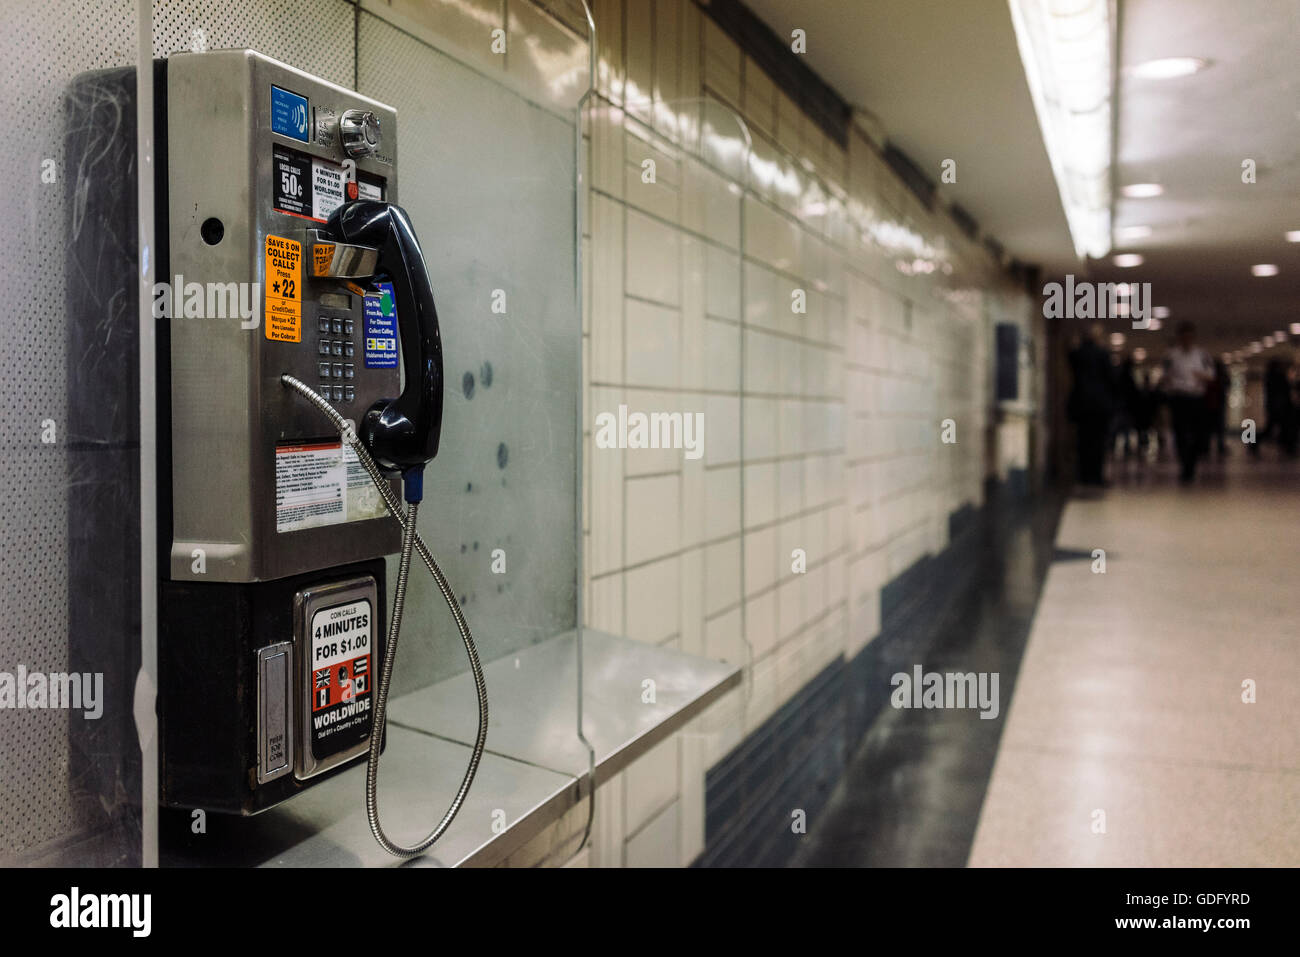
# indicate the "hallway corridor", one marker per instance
pixel 1129 701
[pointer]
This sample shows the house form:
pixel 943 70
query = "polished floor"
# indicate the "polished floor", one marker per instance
pixel 911 793
pixel 1124 738
pixel 1128 742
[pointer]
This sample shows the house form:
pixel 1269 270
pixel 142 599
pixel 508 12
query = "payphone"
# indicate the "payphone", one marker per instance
pixel 299 399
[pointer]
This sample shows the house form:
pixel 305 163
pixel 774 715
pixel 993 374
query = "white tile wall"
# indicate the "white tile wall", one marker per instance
pixel 824 424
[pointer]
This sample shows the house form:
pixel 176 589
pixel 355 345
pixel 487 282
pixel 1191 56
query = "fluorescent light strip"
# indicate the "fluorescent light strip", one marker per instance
pixel 1065 48
pixel 1168 68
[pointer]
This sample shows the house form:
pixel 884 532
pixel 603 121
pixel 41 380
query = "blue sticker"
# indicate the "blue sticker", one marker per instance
pixel 381 328
pixel 288 114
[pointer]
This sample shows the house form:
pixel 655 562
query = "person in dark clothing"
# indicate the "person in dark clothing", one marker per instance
pixel 1280 407
pixel 1216 400
pixel 1188 373
pixel 1091 404
pixel 1128 400
pixel 1144 410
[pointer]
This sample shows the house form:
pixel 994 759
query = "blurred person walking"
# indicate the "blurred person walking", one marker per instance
pixel 1280 408
pixel 1091 404
pixel 1145 408
pixel 1216 409
pixel 1188 374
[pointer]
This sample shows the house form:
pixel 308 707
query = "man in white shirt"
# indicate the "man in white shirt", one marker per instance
pixel 1188 372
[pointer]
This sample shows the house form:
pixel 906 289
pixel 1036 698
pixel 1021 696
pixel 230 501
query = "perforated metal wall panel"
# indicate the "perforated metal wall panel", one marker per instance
pixel 312 35
pixel 43 47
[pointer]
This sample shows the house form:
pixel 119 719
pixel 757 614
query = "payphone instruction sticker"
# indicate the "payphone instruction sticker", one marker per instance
pixel 322 483
pixel 288 113
pixel 381 328
pixel 342 639
pixel 312 188
pixel 283 280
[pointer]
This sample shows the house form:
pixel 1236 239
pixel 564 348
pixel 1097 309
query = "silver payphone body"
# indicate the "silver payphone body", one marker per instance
pixel 258 157
pixel 300 375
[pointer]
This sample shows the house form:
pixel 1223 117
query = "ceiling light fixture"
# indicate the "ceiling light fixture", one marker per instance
pixel 1128 233
pixel 1168 68
pixel 1160 312
pixel 1128 260
pixel 1295 328
pixel 1293 236
pixel 1263 269
pixel 1066 54
pixel 1142 190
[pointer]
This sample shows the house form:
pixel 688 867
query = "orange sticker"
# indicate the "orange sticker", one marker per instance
pixel 283 289
pixel 322 254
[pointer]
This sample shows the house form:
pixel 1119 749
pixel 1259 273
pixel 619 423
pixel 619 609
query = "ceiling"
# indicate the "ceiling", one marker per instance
pixel 945 80
pixel 1191 135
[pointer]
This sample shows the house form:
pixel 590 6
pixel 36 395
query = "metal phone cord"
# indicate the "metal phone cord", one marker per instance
pixel 411 541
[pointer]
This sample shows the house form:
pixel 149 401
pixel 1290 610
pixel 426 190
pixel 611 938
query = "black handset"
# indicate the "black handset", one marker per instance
pixel 401 433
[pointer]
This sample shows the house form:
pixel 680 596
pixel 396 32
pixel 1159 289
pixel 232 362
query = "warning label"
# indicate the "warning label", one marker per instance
pixel 322 483
pixel 340 678
pixel 322 254
pixel 283 281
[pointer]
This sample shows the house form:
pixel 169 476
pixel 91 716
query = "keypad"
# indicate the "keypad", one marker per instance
pixel 336 343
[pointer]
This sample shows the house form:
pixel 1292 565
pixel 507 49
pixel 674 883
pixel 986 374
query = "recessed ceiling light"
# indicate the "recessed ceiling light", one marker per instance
pixel 1117 339
pixel 1127 260
pixel 1154 324
pixel 1279 336
pixel 1139 354
pixel 1295 328
pixel 1142 190
pixel 1137 232
pixel 1160 312
pixel 1293 236
pixel 1263 269
pixel 1168 68
pixel 1256 347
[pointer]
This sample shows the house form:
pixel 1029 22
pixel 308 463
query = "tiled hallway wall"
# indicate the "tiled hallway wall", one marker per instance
pixel 822 428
